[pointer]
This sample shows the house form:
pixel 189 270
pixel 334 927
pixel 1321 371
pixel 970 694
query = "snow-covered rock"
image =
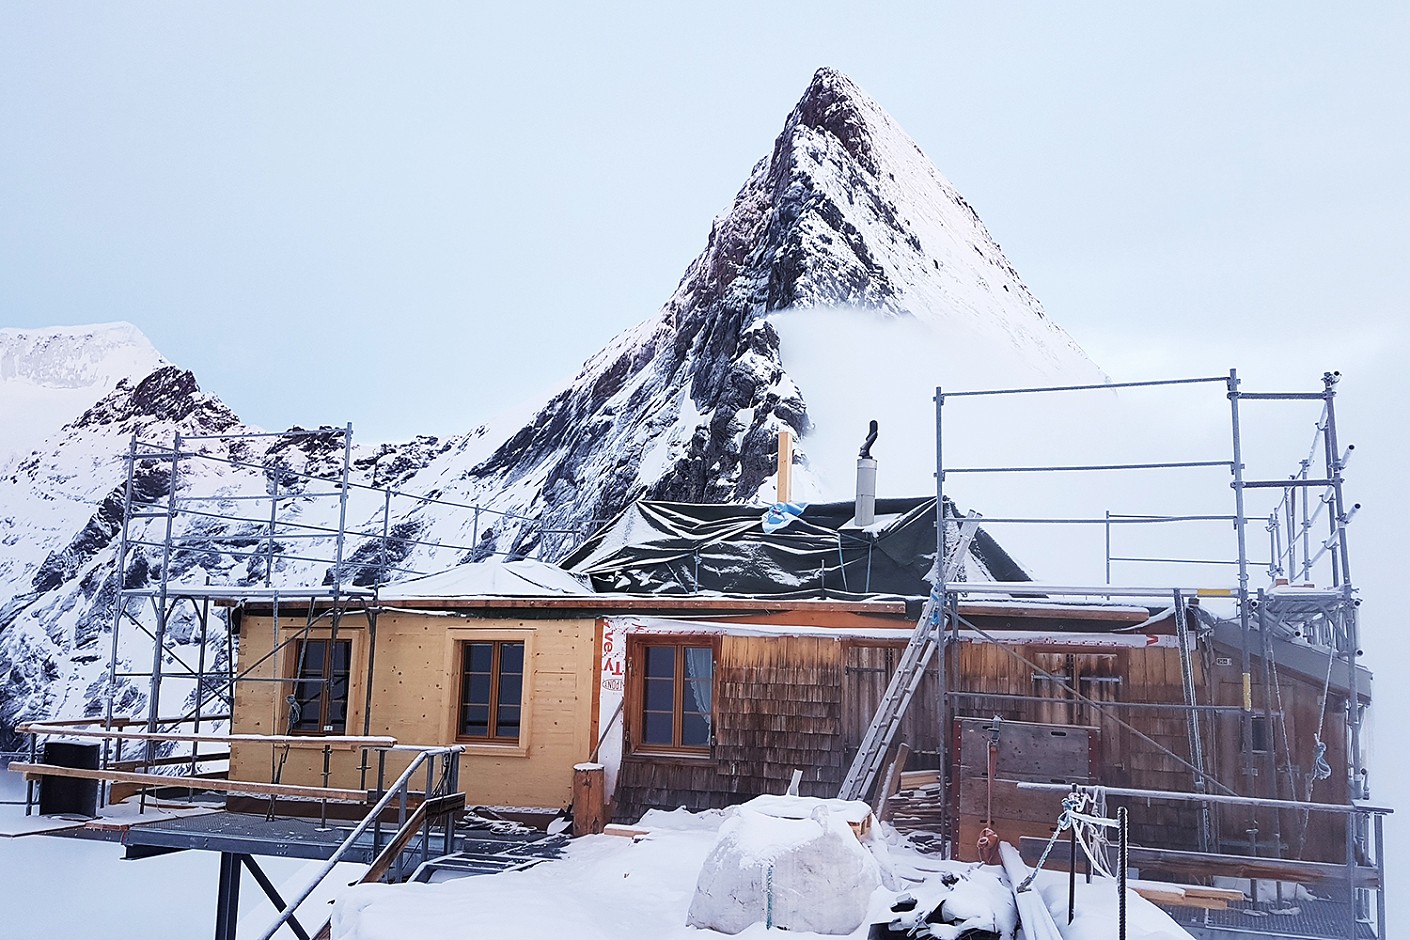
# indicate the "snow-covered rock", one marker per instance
pixel 799 874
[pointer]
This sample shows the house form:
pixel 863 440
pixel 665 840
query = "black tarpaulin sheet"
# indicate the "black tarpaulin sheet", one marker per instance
pixel 685 548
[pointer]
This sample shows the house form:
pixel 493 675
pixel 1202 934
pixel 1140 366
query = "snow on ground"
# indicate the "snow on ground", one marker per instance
pixel 604 887
pixel 80 888
pixel 610 886
pixel 1097 911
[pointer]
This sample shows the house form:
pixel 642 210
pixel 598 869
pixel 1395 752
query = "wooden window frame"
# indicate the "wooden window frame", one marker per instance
pixel 636 689
pixel 325 727
pixel 497 645
pixel 1250 746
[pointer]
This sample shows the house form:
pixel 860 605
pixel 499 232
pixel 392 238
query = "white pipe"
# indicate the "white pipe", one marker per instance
pixel 1033 913
pixel 865 513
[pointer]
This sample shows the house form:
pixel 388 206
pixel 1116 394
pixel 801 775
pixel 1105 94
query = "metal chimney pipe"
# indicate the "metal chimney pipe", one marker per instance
pixel 865 512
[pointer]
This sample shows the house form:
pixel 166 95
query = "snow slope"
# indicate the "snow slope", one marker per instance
pixel 842 228
pixel 50 376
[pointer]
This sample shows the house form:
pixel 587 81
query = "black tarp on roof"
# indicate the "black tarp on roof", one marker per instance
pixel 685 548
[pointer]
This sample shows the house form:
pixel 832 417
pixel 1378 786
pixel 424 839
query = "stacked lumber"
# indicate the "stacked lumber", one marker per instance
pixel 917 809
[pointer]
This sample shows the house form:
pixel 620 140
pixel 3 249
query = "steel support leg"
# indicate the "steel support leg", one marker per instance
pixel 227 899
pixel 272 893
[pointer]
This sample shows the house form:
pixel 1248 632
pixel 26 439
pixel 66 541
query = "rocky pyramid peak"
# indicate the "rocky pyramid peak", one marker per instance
pixel 844 212
pixel 834 105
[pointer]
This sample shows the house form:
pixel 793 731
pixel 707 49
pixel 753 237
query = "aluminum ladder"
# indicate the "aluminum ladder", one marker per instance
pixel 909 671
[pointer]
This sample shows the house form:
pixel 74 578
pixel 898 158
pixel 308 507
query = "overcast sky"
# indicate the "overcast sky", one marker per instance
pixel 327 209
pixel 413 215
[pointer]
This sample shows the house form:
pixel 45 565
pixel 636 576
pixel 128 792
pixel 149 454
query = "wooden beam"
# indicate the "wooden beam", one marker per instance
pixel 337 742
pixel 1115 614
pixel 39 771
pixel 892 783
pixel 594 604
pixel 120 722
pixel 1177 898
pixel 589 799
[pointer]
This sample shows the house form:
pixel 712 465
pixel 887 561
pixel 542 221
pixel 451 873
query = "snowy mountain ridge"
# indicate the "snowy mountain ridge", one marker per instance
pixel 89 357
pixel 845 213
pixel 49 376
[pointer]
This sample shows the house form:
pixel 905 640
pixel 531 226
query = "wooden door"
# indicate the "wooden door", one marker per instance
pixel 866 673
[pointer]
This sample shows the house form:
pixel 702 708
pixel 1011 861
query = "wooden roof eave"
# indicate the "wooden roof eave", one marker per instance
pixel 612 604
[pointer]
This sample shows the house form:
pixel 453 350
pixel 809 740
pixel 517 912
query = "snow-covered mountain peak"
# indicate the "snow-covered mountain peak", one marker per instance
pixel 89 357
pixel 834 105
pixel 842 236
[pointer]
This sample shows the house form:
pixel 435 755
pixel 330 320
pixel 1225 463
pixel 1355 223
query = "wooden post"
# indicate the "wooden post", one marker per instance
pixel 785 465
pixel 589 799
pixel 892 783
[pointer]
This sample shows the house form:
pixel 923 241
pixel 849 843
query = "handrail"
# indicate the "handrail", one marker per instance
pixel 33 771
pixel 341 742
pixel 115 722
pixel 399 787
pixel 1176 795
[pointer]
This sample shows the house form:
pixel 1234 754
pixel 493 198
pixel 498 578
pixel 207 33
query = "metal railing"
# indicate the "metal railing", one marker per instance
pixel 400 791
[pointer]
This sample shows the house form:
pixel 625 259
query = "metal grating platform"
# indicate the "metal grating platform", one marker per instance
pixel 287 837
pixel 1328 919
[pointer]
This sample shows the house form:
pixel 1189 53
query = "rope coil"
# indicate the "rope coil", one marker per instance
pixel 1088 828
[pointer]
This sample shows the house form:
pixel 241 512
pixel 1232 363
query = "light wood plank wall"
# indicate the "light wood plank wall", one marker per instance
pixel 415 689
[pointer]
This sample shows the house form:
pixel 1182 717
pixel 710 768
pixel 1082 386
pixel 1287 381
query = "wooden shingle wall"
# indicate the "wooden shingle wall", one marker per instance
pixel 779 709
pixel 1319 836
pixel 1142 674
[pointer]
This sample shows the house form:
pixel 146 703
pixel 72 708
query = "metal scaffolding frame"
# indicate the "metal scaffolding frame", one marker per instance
pixel 357 561
pixel 1326 618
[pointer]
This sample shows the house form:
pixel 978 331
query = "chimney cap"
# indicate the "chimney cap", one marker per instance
pixel 865 452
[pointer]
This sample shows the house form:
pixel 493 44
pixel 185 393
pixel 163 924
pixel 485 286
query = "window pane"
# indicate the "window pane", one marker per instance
pixel 311 653
pixel 507 722
pixel 699 672
pixel 303 715
pixel 480 657
pixel 511 657
pixel 660 695
pixel 338 686
pixel 475 721
pixel 477 689
pixel 657 728
pixel 510 689
pixel 661 661
pixel 696 730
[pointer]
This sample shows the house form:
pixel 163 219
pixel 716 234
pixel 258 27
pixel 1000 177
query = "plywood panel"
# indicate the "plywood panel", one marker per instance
pixel 1009 801
pixel 1028 751
pixel 415 688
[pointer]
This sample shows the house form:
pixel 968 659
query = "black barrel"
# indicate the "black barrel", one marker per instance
pixel 69 795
